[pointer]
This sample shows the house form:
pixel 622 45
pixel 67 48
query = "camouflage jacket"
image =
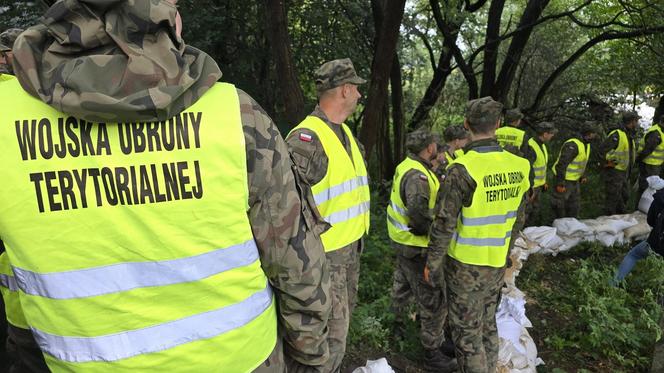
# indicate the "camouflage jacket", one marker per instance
pixel 567 154
pixel 611 143
pixel 76 82
pixel 311 162
pixel 415 193
pixel 456 192
pixel 652 140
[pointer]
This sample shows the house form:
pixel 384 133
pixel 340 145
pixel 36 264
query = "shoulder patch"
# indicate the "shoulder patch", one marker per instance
pixel 305 137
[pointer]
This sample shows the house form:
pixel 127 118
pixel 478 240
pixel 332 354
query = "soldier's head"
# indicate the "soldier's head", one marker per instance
pixel 589 130
pixel 456 137
pixel 336 84
pixel 513 117
pixel 422 143
pixel 7 39
pixel 482 117
pixel 630 119
pixel 546 131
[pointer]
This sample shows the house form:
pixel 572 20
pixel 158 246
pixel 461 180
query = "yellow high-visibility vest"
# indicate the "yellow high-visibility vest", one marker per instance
pixel 484 228
pixel 342 196
pixel 541 162
pixel 577 167
pixel 620 155
pixel 397 213
pixel 510 136
pixel 130 242
pixel 9 290
pixel 655 158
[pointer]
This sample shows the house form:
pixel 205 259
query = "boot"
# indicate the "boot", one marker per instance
pixel 436 361
pixel 447 348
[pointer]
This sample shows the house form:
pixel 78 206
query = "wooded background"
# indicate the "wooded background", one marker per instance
pixel 560 60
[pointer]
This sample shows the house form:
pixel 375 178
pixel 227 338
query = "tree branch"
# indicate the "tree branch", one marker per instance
pixel 606 36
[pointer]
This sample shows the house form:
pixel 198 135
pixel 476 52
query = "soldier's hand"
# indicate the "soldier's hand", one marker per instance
pixel 584 180
pixel 561 189
pixel 545 187
pixel 426 275
pixel 610 164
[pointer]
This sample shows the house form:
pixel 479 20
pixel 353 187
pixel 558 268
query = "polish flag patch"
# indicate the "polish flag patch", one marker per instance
pixel 306 138
pixel 423 177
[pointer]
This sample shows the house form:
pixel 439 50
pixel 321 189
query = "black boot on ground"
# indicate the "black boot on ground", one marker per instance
pixel 436 361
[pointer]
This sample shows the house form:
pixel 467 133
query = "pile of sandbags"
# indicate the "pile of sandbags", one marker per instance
pixel 518 353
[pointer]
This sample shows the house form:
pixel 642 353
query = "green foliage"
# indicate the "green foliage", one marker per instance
pixel 581 321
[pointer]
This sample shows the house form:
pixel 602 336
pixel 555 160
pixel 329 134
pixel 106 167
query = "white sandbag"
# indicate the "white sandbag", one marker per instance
pixel 375 366
pixel 545 237
pixel 655 183
pixel 610 224
pixel 610 239
pixel 571 227
pixel 639 231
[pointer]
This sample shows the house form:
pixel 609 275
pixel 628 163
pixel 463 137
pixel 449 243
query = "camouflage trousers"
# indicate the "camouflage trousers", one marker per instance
pixel 344 265
pixel 533 207
pixel 473 293
pixel 566 204
pixel 645 170
pixel 409 283
pixel 616 191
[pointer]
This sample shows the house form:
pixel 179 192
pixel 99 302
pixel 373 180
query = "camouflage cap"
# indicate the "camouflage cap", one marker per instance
pixel 546 127
pixel 483 110
pixel 419 139
pixel 589 126
pixel 512 115
pixel 335 73
pixel 629 116
pixel 8 37
pixel 452 133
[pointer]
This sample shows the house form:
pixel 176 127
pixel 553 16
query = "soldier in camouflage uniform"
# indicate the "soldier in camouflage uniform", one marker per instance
pixel 616 181
pixel 567 193
pixel 290 253
pixel 336 83
pixel 456 137
pixel 511 136
pixel 7 39
pixel 473 289
pixel 409 280
pixel 545 132
pixel 651 142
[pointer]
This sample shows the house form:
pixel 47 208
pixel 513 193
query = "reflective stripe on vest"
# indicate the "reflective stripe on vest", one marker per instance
pixel 577 167
pixel 342 196
pixel 511 136
pixel 484 228
pixel 133 250
pixel 10 295
pixel 620 155
pixel 397 215
pixel 541 162
pixel 655 158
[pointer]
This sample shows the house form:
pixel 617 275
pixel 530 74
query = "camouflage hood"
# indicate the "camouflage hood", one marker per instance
pixel 112 60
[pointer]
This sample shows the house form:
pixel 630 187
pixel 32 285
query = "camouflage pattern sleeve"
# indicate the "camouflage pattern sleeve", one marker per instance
pixel 519 221
pixel 415 191
pixel 567 155
pixel 291 255
pixel 651 141
pixel 308 155
pixel 609 144
pixel 455 192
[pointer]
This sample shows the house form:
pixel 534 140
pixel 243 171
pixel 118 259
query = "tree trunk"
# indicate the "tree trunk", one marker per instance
pixel 433 91
pixel 531 14
pixel 398 117
pixel 492 43
pixel 291 93
pixel 388 35
pixel 387 161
